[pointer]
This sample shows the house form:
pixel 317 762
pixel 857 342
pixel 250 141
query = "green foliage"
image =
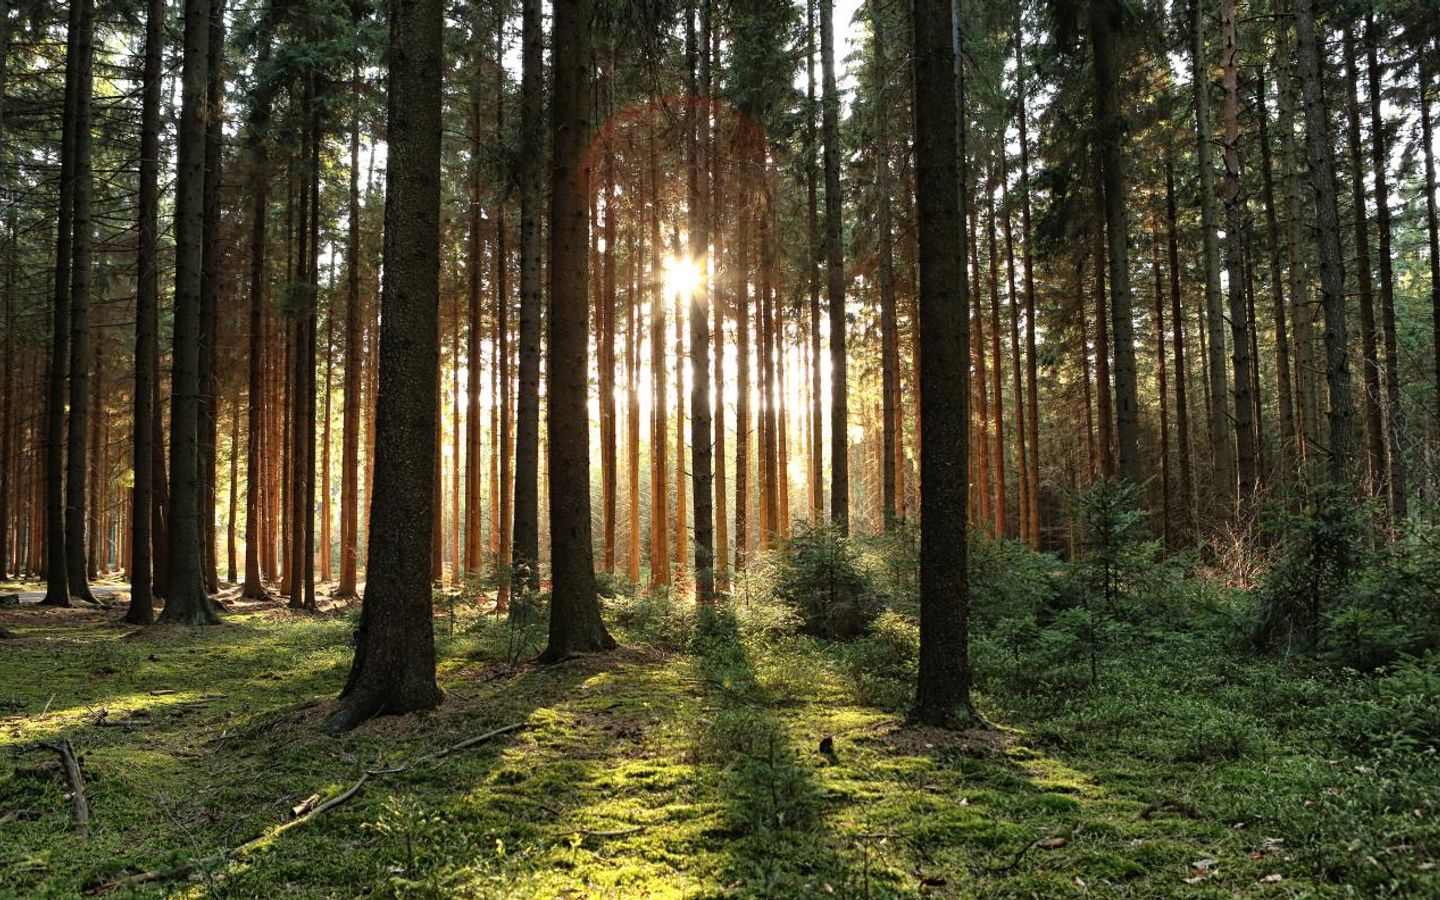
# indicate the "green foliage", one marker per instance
pixel 655 615
pixel 882 665
pixel 819 573
pixel 1355 598
pixel 1320 544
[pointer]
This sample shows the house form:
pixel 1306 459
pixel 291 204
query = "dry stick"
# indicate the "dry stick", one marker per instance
pixel 186 869
pixel 77 783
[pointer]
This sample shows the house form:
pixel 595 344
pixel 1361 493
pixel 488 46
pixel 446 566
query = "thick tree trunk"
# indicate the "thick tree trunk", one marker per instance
pixel 943 687
pixel 835 278
pixel 1321 153
pixel 210 290
pixel 187 601
pixel 80 346
pixel 575 624
pixel 394 667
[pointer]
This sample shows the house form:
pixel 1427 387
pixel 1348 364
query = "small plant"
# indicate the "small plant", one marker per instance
pixel 1320 545
pixel 819 574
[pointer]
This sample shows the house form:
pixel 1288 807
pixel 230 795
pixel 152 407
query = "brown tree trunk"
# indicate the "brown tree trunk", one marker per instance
pixel 394 666
pixel 1234 262
pixel 575 624
pixel 1376 464
pixel 943 686
pixel 187 602
pixel 1379 160
pixel 1321 154
pixel 835 278
pixel 1184 525
pixel 527 422
pixel 1105 18
pixel 354 350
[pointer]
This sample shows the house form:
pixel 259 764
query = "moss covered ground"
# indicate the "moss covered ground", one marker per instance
pixel 654 772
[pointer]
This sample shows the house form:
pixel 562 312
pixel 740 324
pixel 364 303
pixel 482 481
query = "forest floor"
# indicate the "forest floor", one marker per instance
pixel 641 773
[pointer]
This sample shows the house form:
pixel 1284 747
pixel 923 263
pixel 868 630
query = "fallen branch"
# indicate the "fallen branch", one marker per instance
pixel 77 783
pixel 185 870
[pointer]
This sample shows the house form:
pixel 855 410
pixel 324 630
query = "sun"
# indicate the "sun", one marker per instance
pixel 682 277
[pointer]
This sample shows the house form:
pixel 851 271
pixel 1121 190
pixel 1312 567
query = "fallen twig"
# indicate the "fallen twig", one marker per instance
pixel 185 870
pixel 77 783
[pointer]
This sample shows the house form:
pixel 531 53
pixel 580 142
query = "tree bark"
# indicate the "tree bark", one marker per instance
pixel 701 466
pixel 575 624
pixel 526 568
pixel 1223 479
pixel 943 686
pixel 394 667
pixel 1234 261
pixel 1376 464
pixel 1321 154
pixel 1105 18
pixel 80 338
pixel 354 349
pixel 1184 526
pixel 835 278
pixel 1379 161
pixel 187 601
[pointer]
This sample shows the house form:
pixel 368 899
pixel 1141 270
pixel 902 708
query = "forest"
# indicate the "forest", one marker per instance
pixel 700 448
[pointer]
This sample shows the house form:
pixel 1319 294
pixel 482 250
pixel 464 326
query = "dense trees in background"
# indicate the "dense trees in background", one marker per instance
pixel 966 262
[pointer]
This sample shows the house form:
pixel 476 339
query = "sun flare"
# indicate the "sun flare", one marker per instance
pixel 682 276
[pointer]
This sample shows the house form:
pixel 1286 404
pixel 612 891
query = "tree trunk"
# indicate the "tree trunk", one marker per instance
pixel 1028 259
pixel 80 346
pixel 659 432
pixel 575 624
pixel 698 192
pixel 1104 25
pixel 1432 218
pixel 1379 160
pixel 187 601
pixel 1221 449
pixel 354 338
pixel 889 339
pixel 1183 528
pixel 1166 516
pixel 1289 442
pixel 210 290
pixel 1234 261
pixel 835 278
pixel 394 667
pixel 943 686
pixel 1321 153
pixel 527 422
pixel 1376 465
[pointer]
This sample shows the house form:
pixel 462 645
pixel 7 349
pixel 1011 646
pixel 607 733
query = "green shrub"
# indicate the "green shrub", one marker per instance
pixel 656 616
pixel 882 665
pixel 819 574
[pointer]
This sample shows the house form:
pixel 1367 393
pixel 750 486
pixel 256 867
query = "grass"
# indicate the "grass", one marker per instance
pixel 653 772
